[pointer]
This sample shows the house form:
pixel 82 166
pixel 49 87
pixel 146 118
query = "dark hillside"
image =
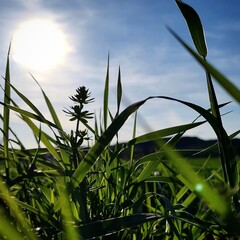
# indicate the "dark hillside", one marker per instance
pixel 187 145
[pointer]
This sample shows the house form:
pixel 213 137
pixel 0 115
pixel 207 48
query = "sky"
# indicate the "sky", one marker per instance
pixel 134 34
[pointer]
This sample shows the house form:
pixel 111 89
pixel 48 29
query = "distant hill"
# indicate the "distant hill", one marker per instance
pixel 188 146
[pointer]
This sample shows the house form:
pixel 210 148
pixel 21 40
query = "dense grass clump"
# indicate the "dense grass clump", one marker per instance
pixel 65 190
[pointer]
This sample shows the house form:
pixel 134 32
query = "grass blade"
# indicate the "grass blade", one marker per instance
pixel 6 114
pixel 119 91
pixel 218 76
pixel 195 27
pixel 105 97
pixel 30 115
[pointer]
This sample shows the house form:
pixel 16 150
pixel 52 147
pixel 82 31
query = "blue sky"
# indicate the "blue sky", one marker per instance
pixel 152 62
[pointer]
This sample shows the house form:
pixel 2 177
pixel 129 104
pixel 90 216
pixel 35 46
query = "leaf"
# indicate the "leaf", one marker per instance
pixel 195 27
pixel 229 163
pixel 105 97
pixel 119 91
pixel 218 76
pixel 30 115
pixel 6 113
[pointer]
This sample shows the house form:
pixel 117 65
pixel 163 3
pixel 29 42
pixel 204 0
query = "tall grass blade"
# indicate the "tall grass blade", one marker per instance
pixel 6 114
pixel 119 91
pixel 50 108
pixel 195 27
pixel 105 97
pixel 228 159
pixel 226 154
pixel 231 89
pixel 133 136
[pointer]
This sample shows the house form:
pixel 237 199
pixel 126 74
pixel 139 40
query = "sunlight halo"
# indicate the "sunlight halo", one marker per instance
pixel 39 45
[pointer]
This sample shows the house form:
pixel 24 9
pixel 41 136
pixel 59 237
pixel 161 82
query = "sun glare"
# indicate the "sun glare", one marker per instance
pixel 39 45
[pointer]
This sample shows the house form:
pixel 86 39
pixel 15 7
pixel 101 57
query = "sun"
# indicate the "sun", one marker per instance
pixel 39 44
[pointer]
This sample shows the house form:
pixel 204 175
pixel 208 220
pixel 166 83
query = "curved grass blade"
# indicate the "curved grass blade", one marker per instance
pixel 162 133
pixel 195 27
pixel 103 141
pixel 196 30
pixel 229 165
pixel 152 136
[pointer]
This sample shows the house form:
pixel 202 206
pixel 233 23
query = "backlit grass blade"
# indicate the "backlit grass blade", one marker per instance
pixel 29 114
pixel 56 122
pixel 50 108
pixel 19 143
pixel 44 138
pixel 229 163
pixel 27 101
pixel 162 133
pixel 133 136
pixel 105 97
pixel 218 76
pixel 195 27
pixel 6 114
pixel 196 30
pixel 119 91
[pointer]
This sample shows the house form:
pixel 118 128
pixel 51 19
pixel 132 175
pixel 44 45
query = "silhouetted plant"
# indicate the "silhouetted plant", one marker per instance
pixel 79 114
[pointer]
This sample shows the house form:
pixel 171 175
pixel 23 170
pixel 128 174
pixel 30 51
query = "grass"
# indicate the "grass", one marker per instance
pixel 65 190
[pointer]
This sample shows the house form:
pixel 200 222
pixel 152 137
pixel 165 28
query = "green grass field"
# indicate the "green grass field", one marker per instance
pixel 94 193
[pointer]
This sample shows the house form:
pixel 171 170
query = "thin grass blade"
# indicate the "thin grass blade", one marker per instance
pixel 218 76
pixel 119 91
pixel 105 97
pixel 6 114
